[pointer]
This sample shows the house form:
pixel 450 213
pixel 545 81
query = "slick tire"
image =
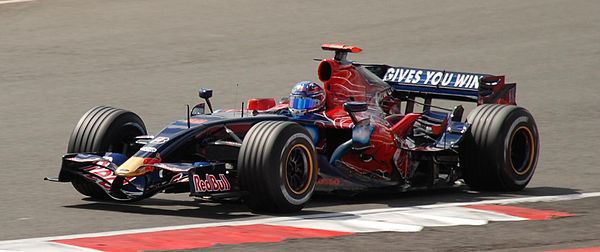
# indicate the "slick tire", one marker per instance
pixel 500 151
pixel 104 129
pixel 277 167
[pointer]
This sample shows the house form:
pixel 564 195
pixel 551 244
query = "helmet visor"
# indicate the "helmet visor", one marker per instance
pixel 299 102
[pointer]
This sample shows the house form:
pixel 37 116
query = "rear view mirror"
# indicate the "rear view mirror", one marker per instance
pixel 205 93
pixel 352 107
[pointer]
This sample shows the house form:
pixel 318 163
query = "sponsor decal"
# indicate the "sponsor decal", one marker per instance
pixel 179 178
pixel 148 149
pixel 101 176
pixel 432 77
pixel 104 163
pixel 211 183
pixel 329 181
pixel 159 140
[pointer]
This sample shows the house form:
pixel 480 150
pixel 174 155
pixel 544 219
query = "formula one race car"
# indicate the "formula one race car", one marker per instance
pixel 376 129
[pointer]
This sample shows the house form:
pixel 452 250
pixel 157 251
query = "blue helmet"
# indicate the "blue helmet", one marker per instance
pixel 306 97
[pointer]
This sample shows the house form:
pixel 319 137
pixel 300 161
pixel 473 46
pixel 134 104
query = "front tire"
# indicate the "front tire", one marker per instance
pixel 104 129
pixel 277 167
pixel 500 151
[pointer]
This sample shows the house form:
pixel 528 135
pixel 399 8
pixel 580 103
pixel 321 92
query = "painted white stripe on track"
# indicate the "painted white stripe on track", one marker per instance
pixel 353 225
pixel 399 219
pixel 44 246
pixel 14 1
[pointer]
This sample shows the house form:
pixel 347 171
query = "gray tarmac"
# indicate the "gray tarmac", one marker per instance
pixel 58 58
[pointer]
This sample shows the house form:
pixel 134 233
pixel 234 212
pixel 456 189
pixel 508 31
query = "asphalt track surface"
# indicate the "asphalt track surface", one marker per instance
pixel 60 58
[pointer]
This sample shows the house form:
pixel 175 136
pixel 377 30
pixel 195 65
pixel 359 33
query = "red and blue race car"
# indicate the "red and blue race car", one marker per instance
pixel 377 129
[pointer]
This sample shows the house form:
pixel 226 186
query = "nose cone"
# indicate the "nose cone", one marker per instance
pixel 131 168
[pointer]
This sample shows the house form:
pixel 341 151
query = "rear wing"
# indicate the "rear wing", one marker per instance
pixel 427 83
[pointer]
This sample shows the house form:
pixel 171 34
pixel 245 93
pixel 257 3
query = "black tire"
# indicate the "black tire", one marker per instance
pixel 277 167
pixel 104 129
pixel 500 151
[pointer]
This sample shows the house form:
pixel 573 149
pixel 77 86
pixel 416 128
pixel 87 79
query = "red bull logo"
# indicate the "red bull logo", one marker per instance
pixel 211 183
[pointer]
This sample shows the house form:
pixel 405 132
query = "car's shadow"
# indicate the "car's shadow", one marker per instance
pixel 320 203
pixel 168 207
pixel 452 195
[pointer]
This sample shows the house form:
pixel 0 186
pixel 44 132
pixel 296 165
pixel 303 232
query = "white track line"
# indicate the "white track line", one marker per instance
pixel 14 1
pixel 371 214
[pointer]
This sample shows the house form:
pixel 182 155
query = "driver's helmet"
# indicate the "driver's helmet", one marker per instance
pixel 306 97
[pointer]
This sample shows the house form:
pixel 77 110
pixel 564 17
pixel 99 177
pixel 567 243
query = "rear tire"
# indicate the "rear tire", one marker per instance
pixel 104 129
pixel 277 167
pixel 500 151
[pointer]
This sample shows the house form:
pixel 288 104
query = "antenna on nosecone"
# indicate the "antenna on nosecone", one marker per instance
pixel 188 115
pixel 237 86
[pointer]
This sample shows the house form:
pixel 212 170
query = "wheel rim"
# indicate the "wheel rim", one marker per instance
pixel 522 150
pixel 298 169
